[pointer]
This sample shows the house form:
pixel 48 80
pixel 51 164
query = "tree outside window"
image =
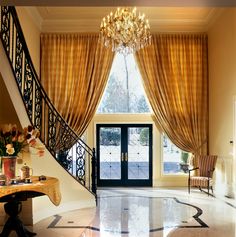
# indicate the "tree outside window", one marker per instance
pixel 124 92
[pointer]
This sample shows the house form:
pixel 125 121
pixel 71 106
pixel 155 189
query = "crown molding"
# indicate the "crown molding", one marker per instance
pixel 88 19
pixel 93 26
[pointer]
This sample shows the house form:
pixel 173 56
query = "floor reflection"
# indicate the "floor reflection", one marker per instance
pixel 141 215
pixel 147 213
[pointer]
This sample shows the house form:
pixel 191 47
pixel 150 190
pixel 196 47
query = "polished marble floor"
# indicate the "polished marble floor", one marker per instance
pixel 146 212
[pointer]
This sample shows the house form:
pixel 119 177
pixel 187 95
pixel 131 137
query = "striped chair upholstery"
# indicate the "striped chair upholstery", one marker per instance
pixel 205 168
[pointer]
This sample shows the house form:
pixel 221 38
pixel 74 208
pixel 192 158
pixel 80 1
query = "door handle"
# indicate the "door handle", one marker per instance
pixel 122 156
pixel 126 156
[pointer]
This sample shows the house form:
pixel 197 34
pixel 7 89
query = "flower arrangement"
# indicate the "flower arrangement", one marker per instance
pixel 14 141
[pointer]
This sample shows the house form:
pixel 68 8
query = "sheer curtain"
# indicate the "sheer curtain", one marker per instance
pixel 74 72
pixel 175 75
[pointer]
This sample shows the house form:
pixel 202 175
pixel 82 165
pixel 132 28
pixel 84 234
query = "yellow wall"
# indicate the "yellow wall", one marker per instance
pixel 7 110
pixel 32 35
pixel 222 90
pixel 158 178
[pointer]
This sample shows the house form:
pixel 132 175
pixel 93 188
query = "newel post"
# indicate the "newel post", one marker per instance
pixel 94 173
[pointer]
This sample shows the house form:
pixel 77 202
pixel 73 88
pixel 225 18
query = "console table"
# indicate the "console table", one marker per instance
pixel 13 195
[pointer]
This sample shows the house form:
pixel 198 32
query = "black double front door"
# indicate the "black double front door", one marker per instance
pixel 124 154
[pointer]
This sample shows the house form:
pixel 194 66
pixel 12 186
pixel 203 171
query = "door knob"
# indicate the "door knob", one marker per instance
pixel 126 156
pixel 122 156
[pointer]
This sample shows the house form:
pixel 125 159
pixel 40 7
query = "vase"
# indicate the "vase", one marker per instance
pixel 9 167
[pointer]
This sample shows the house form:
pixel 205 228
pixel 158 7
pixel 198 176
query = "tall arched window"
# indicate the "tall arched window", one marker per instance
pixel 124 92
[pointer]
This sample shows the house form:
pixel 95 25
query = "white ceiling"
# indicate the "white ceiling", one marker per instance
pixel 88 19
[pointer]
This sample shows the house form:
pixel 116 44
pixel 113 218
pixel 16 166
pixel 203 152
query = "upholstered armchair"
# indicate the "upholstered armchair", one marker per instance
pixel 205 166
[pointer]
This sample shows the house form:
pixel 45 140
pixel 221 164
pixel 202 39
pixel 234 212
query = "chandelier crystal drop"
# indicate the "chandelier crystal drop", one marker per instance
pixel 125 31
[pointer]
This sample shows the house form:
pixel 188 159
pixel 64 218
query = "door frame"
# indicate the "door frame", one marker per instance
pixel 130 182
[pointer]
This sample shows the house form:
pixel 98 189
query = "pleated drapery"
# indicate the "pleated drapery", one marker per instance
pixel 74 73
pixel 175 75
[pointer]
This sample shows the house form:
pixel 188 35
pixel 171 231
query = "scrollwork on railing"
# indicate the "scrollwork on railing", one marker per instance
pixel 67 148
pixel 18 60
pixel 5 25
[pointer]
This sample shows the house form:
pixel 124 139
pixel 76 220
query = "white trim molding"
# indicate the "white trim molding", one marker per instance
pixel 224 176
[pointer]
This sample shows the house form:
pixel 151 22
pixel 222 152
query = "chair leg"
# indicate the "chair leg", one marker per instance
pixel 188 186
pixel 208 187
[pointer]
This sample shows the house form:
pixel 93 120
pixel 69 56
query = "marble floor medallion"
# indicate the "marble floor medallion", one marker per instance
pixel 138 215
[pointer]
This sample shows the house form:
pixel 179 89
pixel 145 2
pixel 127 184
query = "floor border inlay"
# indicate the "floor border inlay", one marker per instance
pixel 196 217
pixel 230 204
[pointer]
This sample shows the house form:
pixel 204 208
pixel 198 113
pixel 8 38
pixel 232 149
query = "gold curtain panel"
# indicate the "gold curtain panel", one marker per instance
pixel 175 75
pixel 74 73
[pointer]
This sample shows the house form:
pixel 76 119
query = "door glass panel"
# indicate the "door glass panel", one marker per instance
pixel 138 153
pixel 110 153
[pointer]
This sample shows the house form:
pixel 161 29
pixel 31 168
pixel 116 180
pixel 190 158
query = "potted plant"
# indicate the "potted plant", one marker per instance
pixel 184 161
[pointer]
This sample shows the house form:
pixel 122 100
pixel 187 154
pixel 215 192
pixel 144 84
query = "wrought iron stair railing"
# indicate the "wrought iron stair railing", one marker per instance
pixel 67 148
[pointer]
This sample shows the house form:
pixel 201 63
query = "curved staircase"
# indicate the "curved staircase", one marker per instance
pixel 73 154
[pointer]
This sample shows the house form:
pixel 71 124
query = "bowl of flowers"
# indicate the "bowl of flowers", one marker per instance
pixel 14 141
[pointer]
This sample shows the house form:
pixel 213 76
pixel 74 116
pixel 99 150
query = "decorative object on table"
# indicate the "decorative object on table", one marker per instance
pixel 42 177
pixel 27 180
pixel 13 181
pixel 14 141
pixel 2 179
pixel 125 31
pixel 9 166
pixel 25 172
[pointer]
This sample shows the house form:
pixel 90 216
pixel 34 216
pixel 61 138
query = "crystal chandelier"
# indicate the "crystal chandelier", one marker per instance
pixel 125 31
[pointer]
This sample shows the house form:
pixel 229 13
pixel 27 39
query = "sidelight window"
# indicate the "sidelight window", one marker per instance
pixel 175 161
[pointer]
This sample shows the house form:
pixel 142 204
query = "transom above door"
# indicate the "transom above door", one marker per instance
pixel 124 154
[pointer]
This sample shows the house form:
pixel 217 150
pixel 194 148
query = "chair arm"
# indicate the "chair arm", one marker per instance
pixel 193 169
pixel 196 168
